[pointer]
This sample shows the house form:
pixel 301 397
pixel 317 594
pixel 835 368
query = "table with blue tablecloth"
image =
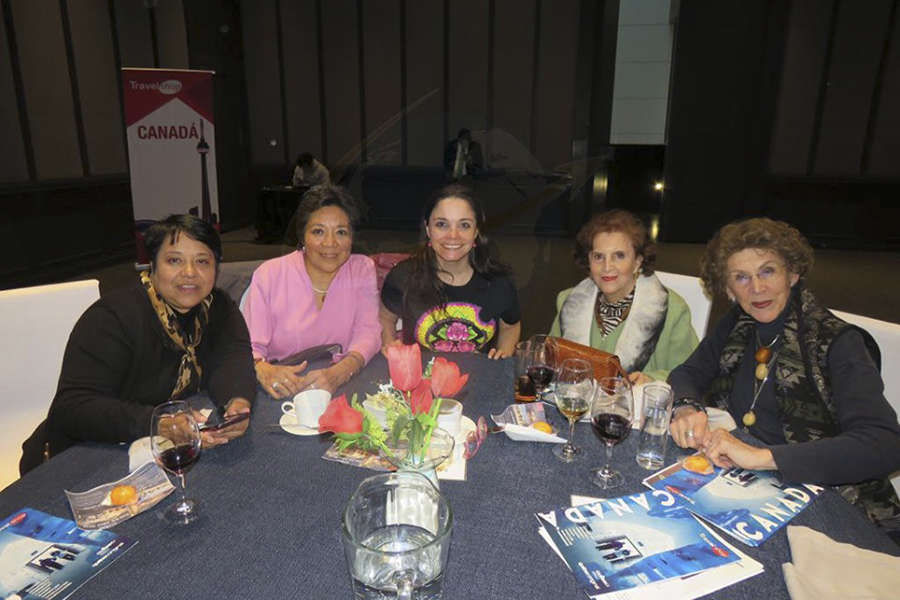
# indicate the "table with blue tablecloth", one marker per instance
pixel 271 512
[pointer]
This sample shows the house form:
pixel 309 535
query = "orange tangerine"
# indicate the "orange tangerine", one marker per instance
pixel 123 494
pixel 542 426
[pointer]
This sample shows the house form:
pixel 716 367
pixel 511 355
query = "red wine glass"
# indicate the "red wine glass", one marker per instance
pixel 175 442
pixel 611 414
pixel 541 367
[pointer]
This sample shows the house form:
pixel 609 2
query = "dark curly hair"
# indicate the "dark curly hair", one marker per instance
pixel 320 196
pixel 424 285
pixel 760 233
pixel 611 221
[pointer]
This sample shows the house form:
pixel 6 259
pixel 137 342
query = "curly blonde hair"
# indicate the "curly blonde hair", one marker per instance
pixel 761 233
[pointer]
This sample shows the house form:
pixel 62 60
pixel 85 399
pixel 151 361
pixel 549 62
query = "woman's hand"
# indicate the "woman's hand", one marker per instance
pixel 280 381
pixel 638 378
pixel 497 353
pixel 689 427
pixel 226 434
pixel 336 375
pixel 321 379
pixel 507 338
pixel 725 450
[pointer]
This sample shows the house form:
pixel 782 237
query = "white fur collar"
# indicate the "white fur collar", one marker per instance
pixel 640 330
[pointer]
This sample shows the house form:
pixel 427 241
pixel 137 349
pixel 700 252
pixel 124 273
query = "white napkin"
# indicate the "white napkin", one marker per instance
pixel 823 569
pixel 139 453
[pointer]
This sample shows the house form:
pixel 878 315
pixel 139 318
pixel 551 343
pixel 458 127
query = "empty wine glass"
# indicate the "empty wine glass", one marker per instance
pixel 611 414
pixel 541 363
pixel 574 389
pixel 175 442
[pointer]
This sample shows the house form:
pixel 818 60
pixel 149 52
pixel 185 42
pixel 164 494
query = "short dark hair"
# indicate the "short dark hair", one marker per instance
pixel 609 222
pixel 305 159
pixel 320 196
pixel 464 133
pixel 191 226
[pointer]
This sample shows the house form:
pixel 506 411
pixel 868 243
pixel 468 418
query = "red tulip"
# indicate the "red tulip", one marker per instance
pixel 339 417
pixel 405 365
pixel 446 380
pixel 420 398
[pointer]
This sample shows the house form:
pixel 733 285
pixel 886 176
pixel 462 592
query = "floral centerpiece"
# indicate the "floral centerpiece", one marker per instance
pixel 411 403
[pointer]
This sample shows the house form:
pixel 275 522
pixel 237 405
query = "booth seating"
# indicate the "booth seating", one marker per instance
pixel 887 335
pixel 691 289
pixel 35 323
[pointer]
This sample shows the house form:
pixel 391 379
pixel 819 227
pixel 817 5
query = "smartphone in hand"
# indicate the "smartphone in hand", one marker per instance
pixel 213 424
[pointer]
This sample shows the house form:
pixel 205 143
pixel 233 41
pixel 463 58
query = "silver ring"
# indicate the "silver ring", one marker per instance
pixel 312 386
pixel 690 433
pixel 275 384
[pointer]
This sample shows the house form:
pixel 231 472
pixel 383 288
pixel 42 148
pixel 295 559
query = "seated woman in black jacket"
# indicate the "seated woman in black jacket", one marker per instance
pixel 165 338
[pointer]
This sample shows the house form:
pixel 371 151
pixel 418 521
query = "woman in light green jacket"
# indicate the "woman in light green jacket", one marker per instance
pixel 621 307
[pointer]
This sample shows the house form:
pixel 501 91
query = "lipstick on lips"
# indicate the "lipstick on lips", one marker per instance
pixel 608 278
pixel 761 305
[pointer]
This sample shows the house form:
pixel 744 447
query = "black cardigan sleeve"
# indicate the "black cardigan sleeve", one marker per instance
pixel 868 446
pixel 692 378
pixel 97 364
pixel 228 366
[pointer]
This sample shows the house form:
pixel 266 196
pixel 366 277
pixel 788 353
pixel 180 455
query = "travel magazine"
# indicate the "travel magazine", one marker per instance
pixel 748 505
pixel 47 557
pixel 617 544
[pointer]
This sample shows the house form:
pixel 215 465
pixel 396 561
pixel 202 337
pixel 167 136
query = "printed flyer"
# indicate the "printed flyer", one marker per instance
pixel 748 505
pixel 42 556
pixel 621 543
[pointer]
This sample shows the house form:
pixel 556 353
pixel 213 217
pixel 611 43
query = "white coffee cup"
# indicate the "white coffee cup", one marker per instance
pixel 449 416
pixel 307 406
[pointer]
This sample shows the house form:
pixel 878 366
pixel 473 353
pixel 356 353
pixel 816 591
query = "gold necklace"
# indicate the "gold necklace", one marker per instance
pixel 764 360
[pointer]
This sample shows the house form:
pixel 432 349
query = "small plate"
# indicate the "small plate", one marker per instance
pixel 287 423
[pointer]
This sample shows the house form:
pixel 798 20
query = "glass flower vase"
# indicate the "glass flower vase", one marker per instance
pixel 408 456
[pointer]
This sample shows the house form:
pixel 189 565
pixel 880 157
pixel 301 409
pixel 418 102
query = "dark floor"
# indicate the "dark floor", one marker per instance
pixel 860 282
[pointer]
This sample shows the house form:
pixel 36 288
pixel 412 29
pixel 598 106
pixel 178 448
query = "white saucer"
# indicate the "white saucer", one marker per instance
pixel 287 423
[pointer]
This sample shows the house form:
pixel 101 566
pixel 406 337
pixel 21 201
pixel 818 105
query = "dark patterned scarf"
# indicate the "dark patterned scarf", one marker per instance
pixel 610 314
pixel 803 391
pixel 189 371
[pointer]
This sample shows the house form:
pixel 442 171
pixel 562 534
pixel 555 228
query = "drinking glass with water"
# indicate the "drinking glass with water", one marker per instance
pixel 656 413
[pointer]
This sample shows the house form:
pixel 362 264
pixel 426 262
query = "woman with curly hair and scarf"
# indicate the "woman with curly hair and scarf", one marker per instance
pixel 803 382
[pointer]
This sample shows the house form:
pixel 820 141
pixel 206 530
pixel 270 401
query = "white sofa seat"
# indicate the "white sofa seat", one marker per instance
pixel 35 324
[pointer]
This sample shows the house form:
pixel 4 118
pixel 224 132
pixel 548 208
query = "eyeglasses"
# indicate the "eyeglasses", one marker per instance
pixel 766 274
pixel 474 438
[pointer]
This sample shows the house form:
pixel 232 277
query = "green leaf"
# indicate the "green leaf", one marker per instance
pixel 398 427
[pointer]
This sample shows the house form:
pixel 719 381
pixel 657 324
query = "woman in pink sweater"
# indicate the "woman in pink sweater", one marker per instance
pixel 320 294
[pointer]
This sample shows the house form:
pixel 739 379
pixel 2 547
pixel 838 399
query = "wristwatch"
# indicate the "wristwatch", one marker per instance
pixel 687 401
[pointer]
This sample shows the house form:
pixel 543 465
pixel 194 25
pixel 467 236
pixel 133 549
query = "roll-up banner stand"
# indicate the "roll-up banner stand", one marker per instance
pixel 171 146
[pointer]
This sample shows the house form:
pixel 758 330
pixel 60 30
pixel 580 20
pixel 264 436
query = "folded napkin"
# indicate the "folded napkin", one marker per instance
pixel 823 569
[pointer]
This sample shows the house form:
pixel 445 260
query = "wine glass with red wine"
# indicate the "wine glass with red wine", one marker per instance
pixel 541 363
pixel 611 414
pixel 175 442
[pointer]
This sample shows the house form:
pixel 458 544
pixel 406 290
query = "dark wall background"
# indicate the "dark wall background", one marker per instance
pixel 795 115
pixel 64 183
pixel 786 108
pixel 390 82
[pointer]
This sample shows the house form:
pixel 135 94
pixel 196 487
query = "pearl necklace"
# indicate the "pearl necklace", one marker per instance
pixel 765 358
pixel 317 290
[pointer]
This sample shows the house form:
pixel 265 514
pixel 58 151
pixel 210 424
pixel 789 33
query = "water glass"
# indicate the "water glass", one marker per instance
pixel 656 413
pixel 396 534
